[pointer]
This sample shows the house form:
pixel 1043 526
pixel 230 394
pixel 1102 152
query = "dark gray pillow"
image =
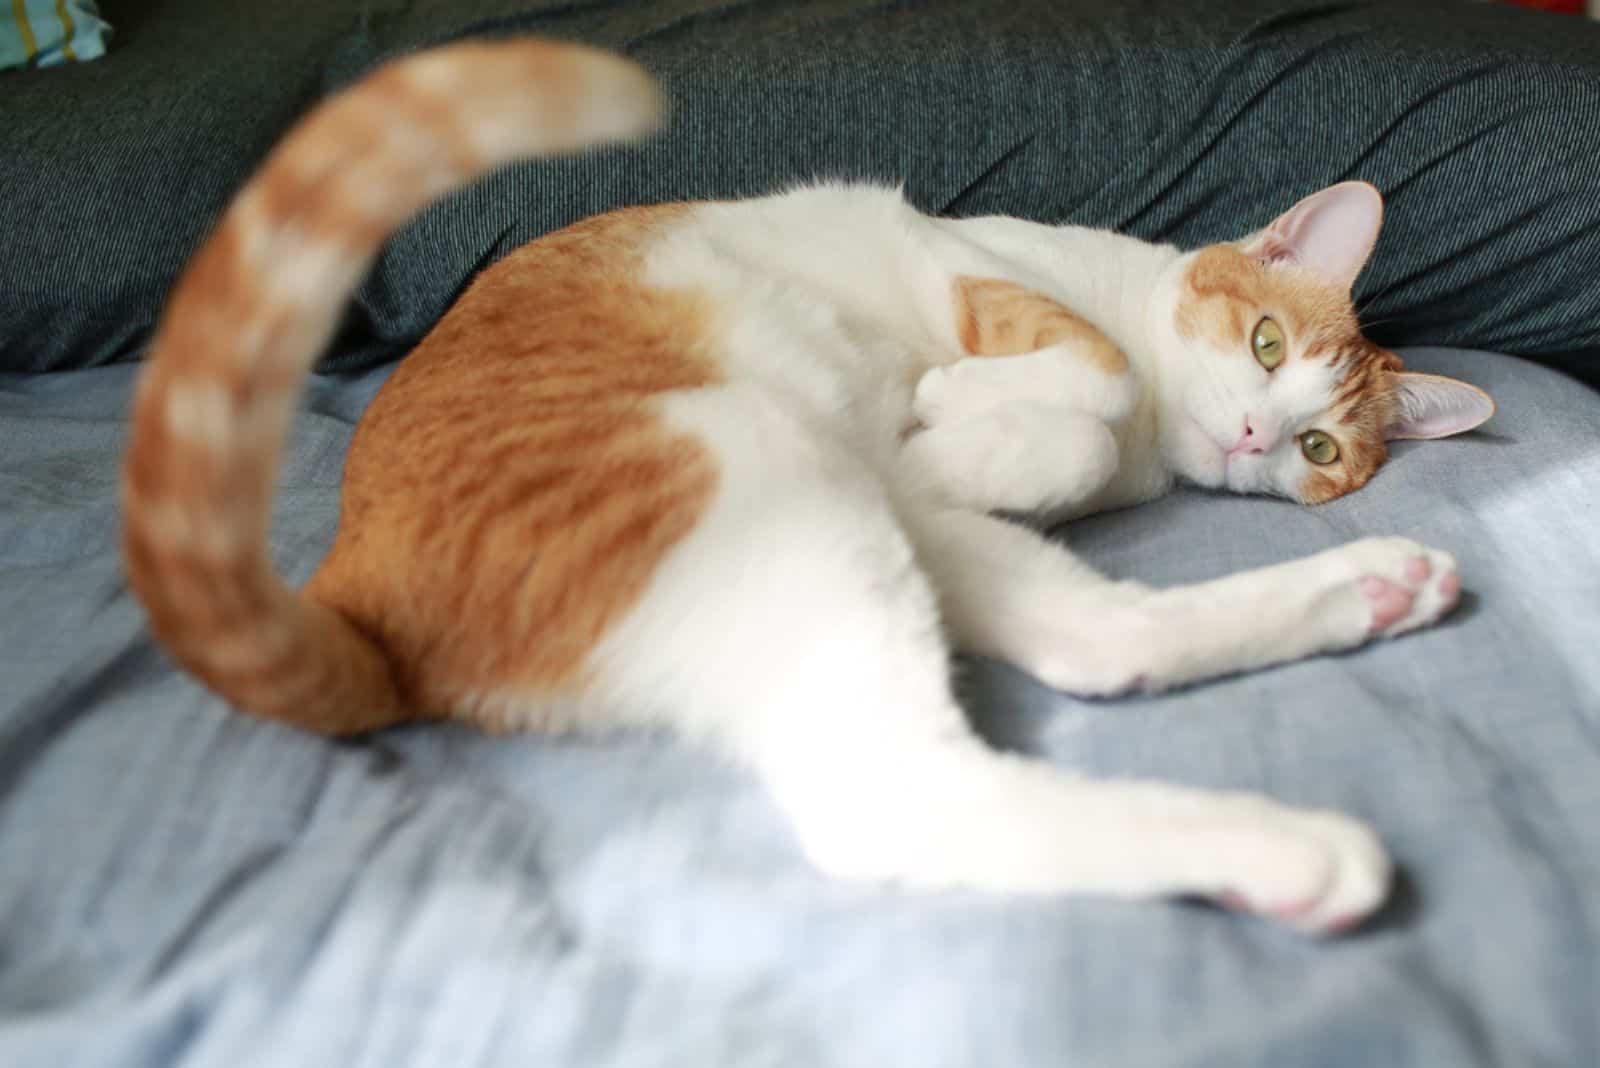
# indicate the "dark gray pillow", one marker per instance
pixel 1189 123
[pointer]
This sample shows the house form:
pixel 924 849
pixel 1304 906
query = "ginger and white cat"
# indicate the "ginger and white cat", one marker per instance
pixel 734 467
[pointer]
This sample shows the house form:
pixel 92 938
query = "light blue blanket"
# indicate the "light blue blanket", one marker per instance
pixel 48 33
pixel 180 885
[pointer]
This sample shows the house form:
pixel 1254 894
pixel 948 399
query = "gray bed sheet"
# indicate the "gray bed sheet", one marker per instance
pixel 180 885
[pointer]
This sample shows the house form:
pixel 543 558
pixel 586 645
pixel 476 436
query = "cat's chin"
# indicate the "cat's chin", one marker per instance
pixel 1194 455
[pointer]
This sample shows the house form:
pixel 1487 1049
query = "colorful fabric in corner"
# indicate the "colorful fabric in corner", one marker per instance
pixel 47 33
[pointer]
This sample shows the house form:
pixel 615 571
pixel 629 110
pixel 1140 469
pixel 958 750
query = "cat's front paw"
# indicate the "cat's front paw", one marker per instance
pixel 1396 585
pixel 937 400
pixel 1027 459
pixel 1055 376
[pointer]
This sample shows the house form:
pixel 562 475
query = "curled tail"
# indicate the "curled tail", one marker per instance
pixel 254 309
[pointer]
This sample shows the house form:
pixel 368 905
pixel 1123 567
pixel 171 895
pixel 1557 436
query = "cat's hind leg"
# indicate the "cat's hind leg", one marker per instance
pixel 795 631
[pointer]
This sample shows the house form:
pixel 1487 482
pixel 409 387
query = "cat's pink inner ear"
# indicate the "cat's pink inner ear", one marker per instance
pixel 1433 406
pixel 1331 232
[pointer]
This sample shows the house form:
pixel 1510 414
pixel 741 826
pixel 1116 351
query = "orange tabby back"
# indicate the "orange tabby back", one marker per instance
pixel 253 310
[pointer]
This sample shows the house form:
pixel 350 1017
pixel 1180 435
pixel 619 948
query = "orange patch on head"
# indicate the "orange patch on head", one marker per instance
pixel 512 488
pixel 995 317
pixel 1228 293
pixel 1362 406
pixel 1223 288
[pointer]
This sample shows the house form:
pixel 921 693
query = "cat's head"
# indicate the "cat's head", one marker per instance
pixel 1267 383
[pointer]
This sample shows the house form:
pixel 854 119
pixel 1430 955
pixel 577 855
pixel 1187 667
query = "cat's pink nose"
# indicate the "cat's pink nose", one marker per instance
pixel 1252 440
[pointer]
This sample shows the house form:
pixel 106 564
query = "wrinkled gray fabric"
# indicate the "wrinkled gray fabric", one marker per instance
pixel 1183 122
pixel 180 885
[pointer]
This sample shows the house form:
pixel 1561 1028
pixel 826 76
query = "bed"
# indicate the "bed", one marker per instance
pixel 183 885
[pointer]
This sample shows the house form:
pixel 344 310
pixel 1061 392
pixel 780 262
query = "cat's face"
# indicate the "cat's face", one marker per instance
pixel 1281 392
pixel 1268 385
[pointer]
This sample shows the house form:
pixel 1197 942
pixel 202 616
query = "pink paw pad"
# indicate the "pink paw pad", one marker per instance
pixel 1233 901
pixel 1294 910
pixel 1418 568
pixel 1390 603
pixel 1450 588
pixel 1347 922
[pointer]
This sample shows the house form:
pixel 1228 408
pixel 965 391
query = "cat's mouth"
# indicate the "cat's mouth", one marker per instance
pixel 1223 444
pixel 1199 456
pixel 1239 471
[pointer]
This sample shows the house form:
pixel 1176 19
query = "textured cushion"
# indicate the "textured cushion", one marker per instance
pixel 47 33
pixel 1183 122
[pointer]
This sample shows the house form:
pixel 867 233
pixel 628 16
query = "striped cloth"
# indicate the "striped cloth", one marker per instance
pixel 1186 123
pixel 47 33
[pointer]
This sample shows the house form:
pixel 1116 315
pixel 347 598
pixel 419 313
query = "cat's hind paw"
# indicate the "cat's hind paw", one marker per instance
pixel 1317 872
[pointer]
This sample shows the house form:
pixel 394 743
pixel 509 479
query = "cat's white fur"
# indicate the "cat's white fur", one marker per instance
pixel 802 626
pixel 861 443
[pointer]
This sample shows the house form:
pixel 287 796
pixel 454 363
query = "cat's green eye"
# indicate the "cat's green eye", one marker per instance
pixel 1319 447
pixel 1267 343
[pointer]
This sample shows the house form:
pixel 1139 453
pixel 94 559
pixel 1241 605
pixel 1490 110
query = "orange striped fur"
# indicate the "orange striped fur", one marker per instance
pixel 996 317
pixel 253 310
pixel 514 473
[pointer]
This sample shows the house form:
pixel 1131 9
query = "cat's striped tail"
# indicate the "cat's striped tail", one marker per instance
pixel 254 309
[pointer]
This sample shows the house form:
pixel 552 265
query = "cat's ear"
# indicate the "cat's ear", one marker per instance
pixel 1331 232
pixel 1433 406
